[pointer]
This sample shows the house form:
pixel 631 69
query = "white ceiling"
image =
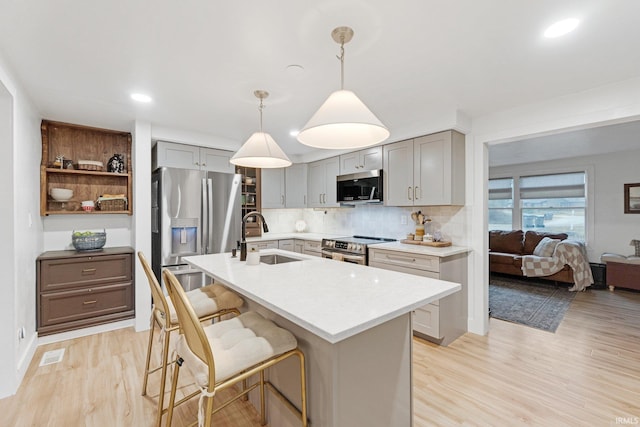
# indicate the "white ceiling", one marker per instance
pixel 411 61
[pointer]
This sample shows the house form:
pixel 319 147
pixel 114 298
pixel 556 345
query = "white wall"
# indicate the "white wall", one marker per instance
pixel 612 228
pixel 22 239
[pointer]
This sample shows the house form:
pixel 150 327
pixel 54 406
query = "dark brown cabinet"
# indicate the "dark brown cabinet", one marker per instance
pixel 80 289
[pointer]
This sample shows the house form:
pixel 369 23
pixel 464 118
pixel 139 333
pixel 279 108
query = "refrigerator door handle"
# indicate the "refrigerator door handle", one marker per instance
pixel 209 217
pixel 204 215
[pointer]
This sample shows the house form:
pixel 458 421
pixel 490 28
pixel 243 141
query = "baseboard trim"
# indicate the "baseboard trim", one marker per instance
pixel 63 336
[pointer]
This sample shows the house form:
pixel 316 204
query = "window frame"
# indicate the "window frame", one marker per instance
pixel 523 170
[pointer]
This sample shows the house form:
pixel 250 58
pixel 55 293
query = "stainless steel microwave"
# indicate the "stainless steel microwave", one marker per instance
pixel 361 187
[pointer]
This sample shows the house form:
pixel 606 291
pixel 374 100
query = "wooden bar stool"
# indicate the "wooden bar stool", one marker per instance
pixel 227 352
pixel 209 302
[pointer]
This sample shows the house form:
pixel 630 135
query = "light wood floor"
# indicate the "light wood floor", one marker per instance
pixel 586 374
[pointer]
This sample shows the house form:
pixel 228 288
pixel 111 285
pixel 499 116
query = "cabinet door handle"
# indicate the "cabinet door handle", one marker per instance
pixel 324 197
pixel 89 302
pixel 88 270
pixel 282 197
pixel 304 199
pixel 204 164
pixel 409 193
pixel 416 192
pixel 397 258
pixel 196 163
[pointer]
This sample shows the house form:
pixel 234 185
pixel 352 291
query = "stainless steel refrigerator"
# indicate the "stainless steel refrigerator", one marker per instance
pixel 192 212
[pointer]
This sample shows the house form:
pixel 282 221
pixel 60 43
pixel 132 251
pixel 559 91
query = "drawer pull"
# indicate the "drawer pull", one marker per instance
pixel 397 258
pixel 88 270
pixel 89 302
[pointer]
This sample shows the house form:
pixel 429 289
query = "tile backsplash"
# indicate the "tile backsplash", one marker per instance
pixel 378 221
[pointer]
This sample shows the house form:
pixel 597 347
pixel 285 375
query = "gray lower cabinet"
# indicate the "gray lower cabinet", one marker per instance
pixel 265 244
pixel 312 248
pixel 294 245
pixel 441 321
pixel 80 289
pixel 286 244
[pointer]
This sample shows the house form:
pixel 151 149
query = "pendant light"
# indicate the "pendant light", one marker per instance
pixel 260 150
pixel 343 121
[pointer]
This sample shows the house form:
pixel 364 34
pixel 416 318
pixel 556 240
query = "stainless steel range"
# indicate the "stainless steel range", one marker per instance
pixel 350 249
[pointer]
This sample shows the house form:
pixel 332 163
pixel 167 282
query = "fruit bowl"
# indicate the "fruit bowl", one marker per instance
pixel 88 240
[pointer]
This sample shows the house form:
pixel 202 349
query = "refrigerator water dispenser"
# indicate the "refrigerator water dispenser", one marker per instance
pixel 184 236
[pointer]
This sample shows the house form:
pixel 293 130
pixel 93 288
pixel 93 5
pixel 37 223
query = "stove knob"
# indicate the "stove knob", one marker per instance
pixel 350 246
pixel 359 248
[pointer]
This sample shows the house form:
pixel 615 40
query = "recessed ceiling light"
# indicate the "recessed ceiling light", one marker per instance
pixel 141 97
pixel 294 133
pixel 561 28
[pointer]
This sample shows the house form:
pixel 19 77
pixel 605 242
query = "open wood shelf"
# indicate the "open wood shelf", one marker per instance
pixel 76 142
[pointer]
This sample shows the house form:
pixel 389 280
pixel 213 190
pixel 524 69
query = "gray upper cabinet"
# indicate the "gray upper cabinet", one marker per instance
pixel 363 160
pixel 273 188
pixel 322 183
pixel 284 187
pixel 296 186
pixel 425 171
pixel 185 156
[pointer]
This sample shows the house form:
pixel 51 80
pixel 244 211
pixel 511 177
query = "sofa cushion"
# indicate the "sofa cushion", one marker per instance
pixel 532 238
pixel 546 247
pixel 509 242
pixel 501 258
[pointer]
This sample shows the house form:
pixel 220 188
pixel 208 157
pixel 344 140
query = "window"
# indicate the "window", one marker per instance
pixel 501 204
pixel 554 203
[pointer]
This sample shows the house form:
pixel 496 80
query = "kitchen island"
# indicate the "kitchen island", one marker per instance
pixel 352 322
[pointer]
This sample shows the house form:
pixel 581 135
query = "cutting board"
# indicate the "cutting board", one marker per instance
pixel 434 244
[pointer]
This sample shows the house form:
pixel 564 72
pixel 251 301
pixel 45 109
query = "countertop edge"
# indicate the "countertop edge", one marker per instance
pixel 419 249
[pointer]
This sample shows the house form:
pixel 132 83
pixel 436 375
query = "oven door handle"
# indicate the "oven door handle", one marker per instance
pixel 356 258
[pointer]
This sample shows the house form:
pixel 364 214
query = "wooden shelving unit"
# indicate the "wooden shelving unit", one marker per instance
pixel 251 198
pixel 76 142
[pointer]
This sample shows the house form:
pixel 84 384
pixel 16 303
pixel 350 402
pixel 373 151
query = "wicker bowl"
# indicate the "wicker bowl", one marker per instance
pixel 89 242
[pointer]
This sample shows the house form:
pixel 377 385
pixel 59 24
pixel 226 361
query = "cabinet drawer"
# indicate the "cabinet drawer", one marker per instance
pixel 417 261
pixel 59 274
pixel 312 246
pixel 426 320
pixel 271 244
pixel 69 306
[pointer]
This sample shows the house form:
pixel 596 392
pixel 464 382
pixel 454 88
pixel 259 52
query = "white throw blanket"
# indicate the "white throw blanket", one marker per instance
pixel 567 252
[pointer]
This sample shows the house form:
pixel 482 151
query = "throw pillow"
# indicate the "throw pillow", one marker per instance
pixel 546 247
pixel 636 243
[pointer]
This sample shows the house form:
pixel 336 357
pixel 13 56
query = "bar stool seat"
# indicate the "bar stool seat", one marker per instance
pixel 209 302
pixel 228 352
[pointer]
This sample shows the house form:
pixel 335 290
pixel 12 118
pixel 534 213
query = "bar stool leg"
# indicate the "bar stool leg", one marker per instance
pixel 149 347
pixel 163 376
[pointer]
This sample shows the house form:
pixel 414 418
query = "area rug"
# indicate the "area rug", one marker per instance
pixel 536 303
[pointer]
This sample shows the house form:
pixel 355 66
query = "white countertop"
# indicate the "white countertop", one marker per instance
pixel 316 237
pixel 421 249
pixel 333 300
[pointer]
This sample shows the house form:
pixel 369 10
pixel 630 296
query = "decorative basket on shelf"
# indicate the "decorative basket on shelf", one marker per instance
pixel 88 240
pixel 112 202
pixel 112 205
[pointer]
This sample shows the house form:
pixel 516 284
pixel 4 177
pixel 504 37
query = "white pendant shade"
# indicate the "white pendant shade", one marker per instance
pixel 343 121
pixel 261 151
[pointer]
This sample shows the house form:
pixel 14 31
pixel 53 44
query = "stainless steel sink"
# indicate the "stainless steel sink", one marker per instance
pixel 276 259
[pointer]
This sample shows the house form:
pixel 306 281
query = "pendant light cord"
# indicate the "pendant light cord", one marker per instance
pixel 260 109
pixel 341 58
